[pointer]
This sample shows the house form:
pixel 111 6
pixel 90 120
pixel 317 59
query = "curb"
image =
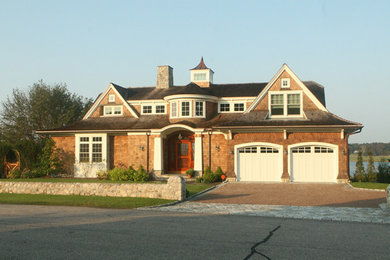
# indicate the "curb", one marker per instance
pixel 352 187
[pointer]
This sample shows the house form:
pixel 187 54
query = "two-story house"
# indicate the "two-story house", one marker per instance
pixel 278 131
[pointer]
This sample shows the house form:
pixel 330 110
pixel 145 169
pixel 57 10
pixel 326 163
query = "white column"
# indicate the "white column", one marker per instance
pixel 158 154
pixel 198 154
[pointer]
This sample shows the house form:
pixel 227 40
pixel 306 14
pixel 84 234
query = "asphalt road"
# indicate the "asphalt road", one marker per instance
pixel 41 232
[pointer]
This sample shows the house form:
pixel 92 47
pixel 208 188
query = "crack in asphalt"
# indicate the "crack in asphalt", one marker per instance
pixel 253 248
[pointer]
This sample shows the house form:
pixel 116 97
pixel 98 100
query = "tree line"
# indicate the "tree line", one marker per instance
pixel 374 148
pixel 41 106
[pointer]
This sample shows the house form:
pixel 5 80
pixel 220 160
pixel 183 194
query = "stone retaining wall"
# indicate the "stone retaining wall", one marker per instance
pixel 175 189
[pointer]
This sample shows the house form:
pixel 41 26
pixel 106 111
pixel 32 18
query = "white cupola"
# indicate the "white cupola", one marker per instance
pixel 201 75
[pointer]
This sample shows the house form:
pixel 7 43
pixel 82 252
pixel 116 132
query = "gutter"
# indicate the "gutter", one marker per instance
pixel 89 131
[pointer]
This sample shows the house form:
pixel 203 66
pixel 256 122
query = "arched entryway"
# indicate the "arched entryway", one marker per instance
pixel 181 147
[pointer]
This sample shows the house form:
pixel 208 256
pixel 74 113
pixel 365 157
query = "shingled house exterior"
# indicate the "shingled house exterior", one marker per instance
pixel 276 131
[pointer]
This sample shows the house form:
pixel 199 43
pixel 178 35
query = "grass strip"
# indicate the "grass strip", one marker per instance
pixel 81 201
pixel 370 185
pixel 194 188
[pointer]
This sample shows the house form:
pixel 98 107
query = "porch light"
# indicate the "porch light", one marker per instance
pixel 180 137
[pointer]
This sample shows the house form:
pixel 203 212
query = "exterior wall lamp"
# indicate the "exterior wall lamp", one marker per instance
pixel 141 147
pixel 217 147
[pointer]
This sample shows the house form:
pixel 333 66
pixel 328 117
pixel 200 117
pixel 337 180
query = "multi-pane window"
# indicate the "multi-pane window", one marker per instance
pixel 285 104
pixel 160 109
pixel 238 107
pixel 174 109
pixel 185 108
pixel 90 149
pixel 146 109
pixel 293 104
pixel 199 105
pixel 285 83
pixel 277 106
pixel 199 76
pixel 112 110
pixel 224 107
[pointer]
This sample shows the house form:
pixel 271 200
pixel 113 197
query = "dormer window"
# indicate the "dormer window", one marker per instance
pixel 231 107
pixel 113 110
pixel 285 83
pixel 238 107
pixel 285 104
pixel 111 98
pixel 160 109
pixel 224 107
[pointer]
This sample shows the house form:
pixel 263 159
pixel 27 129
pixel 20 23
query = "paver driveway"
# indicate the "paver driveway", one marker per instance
pixel 294 194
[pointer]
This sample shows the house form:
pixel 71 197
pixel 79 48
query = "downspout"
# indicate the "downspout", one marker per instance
pixel 210 132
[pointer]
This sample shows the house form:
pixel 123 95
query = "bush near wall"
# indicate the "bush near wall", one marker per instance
pixel 123 174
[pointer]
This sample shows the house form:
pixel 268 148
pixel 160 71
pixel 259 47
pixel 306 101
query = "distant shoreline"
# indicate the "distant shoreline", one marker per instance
pixel 377 158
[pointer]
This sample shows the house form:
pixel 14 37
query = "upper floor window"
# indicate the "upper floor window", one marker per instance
pixel 113 110
pixel 231 107
pixel 285 104
pixel 199 108
pixel 199 76
pixel 238 107
pixel 185 108
pixel 146 109
pixel 174 109
pixel 285 83
pixel 111 98
pixel 160 109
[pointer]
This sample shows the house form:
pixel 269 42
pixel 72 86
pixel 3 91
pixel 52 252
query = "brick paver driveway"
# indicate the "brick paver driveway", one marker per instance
pixel 294 194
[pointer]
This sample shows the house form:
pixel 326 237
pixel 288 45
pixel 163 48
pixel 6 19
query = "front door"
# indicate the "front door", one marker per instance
pixel 181 154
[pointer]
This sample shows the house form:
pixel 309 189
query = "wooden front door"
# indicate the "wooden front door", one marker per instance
pixel 181 154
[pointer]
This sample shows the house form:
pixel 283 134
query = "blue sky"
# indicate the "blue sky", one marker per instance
pixel 343 45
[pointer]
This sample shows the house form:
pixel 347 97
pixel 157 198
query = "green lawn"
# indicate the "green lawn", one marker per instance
pixel 194 188
pixel 83 201
pixel 370 185
pixel 377 158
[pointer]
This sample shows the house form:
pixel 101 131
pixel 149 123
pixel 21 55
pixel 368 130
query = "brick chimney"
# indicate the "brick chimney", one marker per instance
pixel 164 76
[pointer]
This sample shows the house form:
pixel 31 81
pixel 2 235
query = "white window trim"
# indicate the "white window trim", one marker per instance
pixel 204 109
pixel 190 108
pixel 111 98
pixel 90 142
pixel 153 105
pixel 285 93
pixel 288 83
pixel 176 110
pixel 105 114
pixel 231 106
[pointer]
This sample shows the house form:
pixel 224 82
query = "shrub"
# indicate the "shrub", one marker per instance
pixel 371 172
pixel 383 172
pixel 209 176
pixel 360 174
pixel 118 174
pixel 50 162
pixel 132 173
pixel 190 172
pixel 141 175
pixel 218 173
pixel 199 180
pixel 14 174
pixel 102 175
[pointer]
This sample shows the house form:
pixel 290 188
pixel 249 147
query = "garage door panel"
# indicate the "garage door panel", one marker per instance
pixel 314 164
pixel 259 163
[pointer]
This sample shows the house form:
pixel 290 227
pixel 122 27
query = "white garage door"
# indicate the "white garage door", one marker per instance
pixel 313 163
pixel 259 163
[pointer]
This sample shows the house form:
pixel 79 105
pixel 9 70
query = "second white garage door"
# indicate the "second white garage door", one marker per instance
pixel 313 163
pixel 259 163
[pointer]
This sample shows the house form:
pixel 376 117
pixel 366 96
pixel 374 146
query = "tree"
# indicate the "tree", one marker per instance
pixel 359 174
pixel 371 172
pixel 42 106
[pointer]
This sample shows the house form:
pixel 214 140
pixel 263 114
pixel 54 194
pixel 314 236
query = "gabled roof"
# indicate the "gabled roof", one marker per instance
pixel 121 93
pixel 306 90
